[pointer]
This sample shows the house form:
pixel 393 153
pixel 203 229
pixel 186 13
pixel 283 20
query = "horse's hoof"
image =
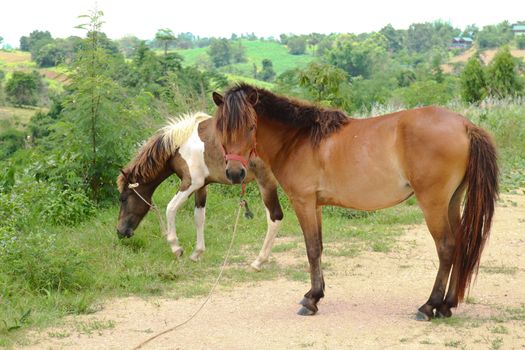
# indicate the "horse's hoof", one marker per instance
pixel 443 312
pixel 196 256
pixel 256 265
pixel 421 316
pixel 178 252
pixel 304 311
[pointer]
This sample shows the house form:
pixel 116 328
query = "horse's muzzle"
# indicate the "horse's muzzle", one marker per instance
pixel 236 176
pixel 127 233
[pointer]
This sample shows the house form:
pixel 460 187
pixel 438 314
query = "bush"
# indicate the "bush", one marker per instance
pixel 24 88
pixel 10 141
pixel 297 45
pixel 473 82
pixel 39 262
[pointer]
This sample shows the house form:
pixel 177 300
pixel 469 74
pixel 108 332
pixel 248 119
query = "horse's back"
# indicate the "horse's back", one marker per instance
pixel 383 160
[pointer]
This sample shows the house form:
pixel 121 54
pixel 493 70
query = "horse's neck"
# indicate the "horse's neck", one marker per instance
pixel 163 175
pixel 275 140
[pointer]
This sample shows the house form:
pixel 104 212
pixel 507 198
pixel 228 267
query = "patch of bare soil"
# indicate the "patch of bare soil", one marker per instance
pixel 370 303
pixel 486 56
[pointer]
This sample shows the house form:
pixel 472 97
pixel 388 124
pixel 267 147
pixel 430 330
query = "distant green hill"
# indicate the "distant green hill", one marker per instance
pixel 256 51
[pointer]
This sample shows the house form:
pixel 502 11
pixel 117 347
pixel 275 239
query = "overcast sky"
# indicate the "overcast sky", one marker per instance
pixel 143 18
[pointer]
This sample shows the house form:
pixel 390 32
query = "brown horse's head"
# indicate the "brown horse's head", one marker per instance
pixel 132 207
pixel 236 125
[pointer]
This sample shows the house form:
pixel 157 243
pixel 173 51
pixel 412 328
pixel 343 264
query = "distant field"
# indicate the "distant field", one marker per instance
pixel 15 117
pixel 11 61
pixel 256 51
pixel 15 60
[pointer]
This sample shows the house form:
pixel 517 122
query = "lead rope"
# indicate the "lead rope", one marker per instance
pixel 153 207
pixel 242 204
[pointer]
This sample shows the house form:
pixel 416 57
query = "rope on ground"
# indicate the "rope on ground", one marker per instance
pixel 171 329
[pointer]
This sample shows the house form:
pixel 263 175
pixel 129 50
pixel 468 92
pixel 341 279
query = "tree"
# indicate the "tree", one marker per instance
pixel 128 44
pixel 35 41
pixel 296 45
pixel 238 52
pixel 185 40
pixel 24 88
pixel 358 57
pixel 165 37
pixel 267 73
pixel 220 52
pixel 325 83
pixel 502 76
pixel 520 42
pixel 473 85
pixel 93 111
pixel 394 38
pixel 50 55
pixel 495 35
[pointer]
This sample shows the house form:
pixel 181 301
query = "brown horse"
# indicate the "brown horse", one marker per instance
pixel 189 148
pixel 322 157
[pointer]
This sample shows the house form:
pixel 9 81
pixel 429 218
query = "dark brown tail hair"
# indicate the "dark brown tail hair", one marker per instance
pixel 482 181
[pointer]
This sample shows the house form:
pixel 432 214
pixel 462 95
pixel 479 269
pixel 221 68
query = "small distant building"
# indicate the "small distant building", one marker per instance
pixel 461 42
pixel 518 29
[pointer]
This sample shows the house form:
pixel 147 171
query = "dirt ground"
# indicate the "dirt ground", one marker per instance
pixel 370 303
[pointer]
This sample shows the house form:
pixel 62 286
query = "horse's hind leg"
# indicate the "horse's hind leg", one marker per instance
pixel 451 300
pixel 200 216
pixel 274 215
pixel 437 219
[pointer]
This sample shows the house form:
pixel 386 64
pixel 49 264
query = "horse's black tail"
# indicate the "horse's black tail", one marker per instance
pixel 482 192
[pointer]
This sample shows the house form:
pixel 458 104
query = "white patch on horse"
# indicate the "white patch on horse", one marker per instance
pixel 192 151
pixel 273 229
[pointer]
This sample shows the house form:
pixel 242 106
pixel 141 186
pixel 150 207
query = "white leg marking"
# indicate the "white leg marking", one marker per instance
pixel 199 216
pixel 273 228
pixel 171 212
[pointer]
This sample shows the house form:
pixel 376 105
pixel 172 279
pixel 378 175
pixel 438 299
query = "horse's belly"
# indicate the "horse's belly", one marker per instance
pixel 367 195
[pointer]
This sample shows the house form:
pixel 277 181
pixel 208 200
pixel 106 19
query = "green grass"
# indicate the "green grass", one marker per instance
pixel 256 51
pixel 17 118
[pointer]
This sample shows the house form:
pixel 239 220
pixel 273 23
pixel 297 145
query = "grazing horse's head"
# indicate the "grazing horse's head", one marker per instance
pixel 236 125
pixel 133 208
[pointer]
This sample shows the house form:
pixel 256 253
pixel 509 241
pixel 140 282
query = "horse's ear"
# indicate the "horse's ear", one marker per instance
pixel 253 97
pixel 217 98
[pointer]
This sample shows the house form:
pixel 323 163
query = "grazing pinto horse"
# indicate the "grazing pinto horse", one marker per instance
pixel 189 148
pixel 322 157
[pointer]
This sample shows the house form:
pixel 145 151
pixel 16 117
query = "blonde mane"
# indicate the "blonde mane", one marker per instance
pixel 151 158
pixel 178 130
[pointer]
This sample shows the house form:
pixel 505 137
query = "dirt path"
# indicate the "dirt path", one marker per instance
pixel 370 303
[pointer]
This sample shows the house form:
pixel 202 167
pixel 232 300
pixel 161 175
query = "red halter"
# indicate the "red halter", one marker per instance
pixel 241 159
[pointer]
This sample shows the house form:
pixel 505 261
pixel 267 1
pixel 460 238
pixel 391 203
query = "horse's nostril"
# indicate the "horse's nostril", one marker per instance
pixel 242 173
pixel 228 173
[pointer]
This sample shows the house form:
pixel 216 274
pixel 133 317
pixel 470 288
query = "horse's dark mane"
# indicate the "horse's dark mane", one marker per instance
pixel 317 122
pixel 147 164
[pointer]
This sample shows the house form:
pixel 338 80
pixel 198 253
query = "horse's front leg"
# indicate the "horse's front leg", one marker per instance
pixel 171 213
pixel 274 215
pixel 309 216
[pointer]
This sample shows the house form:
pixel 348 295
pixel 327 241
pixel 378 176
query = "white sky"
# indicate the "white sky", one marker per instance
pixel 143 18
